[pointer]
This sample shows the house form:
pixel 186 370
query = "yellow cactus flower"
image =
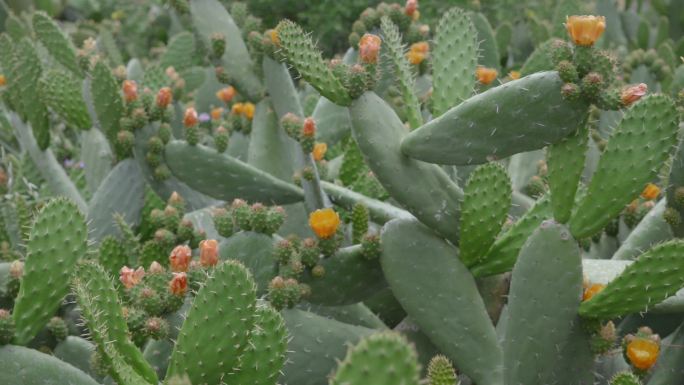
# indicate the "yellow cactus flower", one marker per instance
pixel 486 75
pixel 324 222
pixel 275 38
pixel 514 75
pixel 592 290
pixel 3 80
pixel 585 30
pixel 237 109
pixel 319 151
pixel 248 110
pixel 650 192
pixel 643 353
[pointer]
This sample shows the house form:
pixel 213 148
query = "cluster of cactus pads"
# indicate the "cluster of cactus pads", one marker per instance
pixel 219 204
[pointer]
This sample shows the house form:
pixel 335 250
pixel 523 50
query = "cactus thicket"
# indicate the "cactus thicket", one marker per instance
pixel 490 193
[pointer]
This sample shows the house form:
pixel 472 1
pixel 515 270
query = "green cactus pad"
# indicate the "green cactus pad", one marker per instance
pixel 676 182
pixel 565 161
pixel 423 189
pixel 356 314
pixel 349 278
pixel 226 302
pixel 332 121
pixel 210 17
pixel 635 151
pixel 541 311
pixel 97 155
pixel 253 250
pixel 20 365
pixel 262 360
pixel 404 77
pixel 488 51
pixel 101 310
pixel 27 70
pixel 77 352
pixel 539 60
pixel 379 211
pixel 56 42
pixel 440 295
pixel 454 60
pixel 61 91
pixel 224 177
pixel 670 366
pixel 518 116
pixel 57 240
pixel 106 99
pixel 486 200
pixel 382 359
pixel 649 232
pixel 502 255
pixel 270 149
pixel 122 192
pixel 180 52
pixel 316 345
pixel 652 277
pixel 302 53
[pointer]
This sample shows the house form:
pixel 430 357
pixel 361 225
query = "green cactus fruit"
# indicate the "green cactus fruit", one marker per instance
pixel 423 189
pixel 56 42
pixel 625 378
pixel 61 91
pixel 441 372
pixel 27 71
pixel 7 327
pixel 57 240
pixel 359 222
pixel 536 305
pixel 20 365
pixel 456 321
pixel 392 359
pixel 518 116
pixel 635 151
pixel 302 53
pixel 102 312
pixel 209 172
pixel 454 60
pixel 650 279
pixel 262 360
pixel 395 50
pixel 58 328
pixel 486 200
pixel 226 301
pixel 348 278
pixel 565 161
pixel 503 253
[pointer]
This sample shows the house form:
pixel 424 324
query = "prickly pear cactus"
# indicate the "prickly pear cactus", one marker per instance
pixel 198 192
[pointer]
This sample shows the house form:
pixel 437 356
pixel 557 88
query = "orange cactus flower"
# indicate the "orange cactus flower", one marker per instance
pixel 216 113
pixel 411 7
pixel 3 80
pixel 592 290
pixel 180 258
pixel 585 30
pixel 226 94
pixel 248 110
pixel 164 97
pixel 369 48
pixel 631 94
pixel 650 192
pixel 236 109
pixel 130 277
pixel 643 353
pixel 130 90
pixel 178 284
pixel 273 35
pixel 486 75
pixel 415 57
pixel 190 118
pixel 208 252
pixel 319 151
pixel 324 222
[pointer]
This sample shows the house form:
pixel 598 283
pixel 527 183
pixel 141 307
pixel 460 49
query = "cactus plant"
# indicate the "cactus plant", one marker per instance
pixel 492 196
